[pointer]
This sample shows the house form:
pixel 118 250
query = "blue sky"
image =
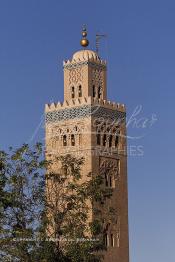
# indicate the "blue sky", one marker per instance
pixel 36 36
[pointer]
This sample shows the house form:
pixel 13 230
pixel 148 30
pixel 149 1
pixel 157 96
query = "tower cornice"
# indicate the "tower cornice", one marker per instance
pixel 70 65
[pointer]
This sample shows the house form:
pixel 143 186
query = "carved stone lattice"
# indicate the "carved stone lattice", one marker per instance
pixel 75 76
pixel 109 167
pixel 57 132
pixel 97 78
pixel 64 130
pixel 80 64
pixel 84 111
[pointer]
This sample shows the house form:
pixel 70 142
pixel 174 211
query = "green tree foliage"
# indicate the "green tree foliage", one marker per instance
pixel 45 208
pixel 23 173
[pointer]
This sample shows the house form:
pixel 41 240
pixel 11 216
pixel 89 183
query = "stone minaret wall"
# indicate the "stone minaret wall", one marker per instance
pixel 95 129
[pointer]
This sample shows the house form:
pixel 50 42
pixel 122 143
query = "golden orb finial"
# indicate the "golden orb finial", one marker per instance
pixel 84 42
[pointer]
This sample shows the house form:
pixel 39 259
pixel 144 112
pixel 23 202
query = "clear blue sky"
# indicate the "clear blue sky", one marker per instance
pixel 36 35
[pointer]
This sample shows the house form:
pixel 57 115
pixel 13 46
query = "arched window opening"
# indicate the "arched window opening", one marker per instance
pixel 106 180
pixel 93 91
pixel 110 181
pixel 80 91
pixel 72 140
pixel 110 141
pixel 112 240
pixel 116 141
pixel 107 226
pixel 99 92
pixel 106 240
pixel 104 140
pixel 98 139
pixel 64 140
pixel 73 92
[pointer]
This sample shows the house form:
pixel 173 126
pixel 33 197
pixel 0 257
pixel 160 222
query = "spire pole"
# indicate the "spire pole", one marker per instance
pixel 84 41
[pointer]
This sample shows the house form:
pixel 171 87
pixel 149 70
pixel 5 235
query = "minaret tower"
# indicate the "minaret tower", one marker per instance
pixel 87 124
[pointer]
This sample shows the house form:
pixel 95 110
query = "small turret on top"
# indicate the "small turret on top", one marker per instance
pixel 84 41
pixel 85 74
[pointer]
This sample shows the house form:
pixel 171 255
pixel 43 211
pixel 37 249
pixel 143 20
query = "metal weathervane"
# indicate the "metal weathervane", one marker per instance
pixel 98 37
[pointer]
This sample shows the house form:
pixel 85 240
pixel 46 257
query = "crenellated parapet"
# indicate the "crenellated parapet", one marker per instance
pixel 84 107
pixel 85 101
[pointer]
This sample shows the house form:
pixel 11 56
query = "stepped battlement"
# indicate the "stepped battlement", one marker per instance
pixel 85 101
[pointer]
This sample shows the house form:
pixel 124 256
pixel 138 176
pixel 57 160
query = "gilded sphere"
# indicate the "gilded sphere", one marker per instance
pixel 84 42
pixel 84 33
